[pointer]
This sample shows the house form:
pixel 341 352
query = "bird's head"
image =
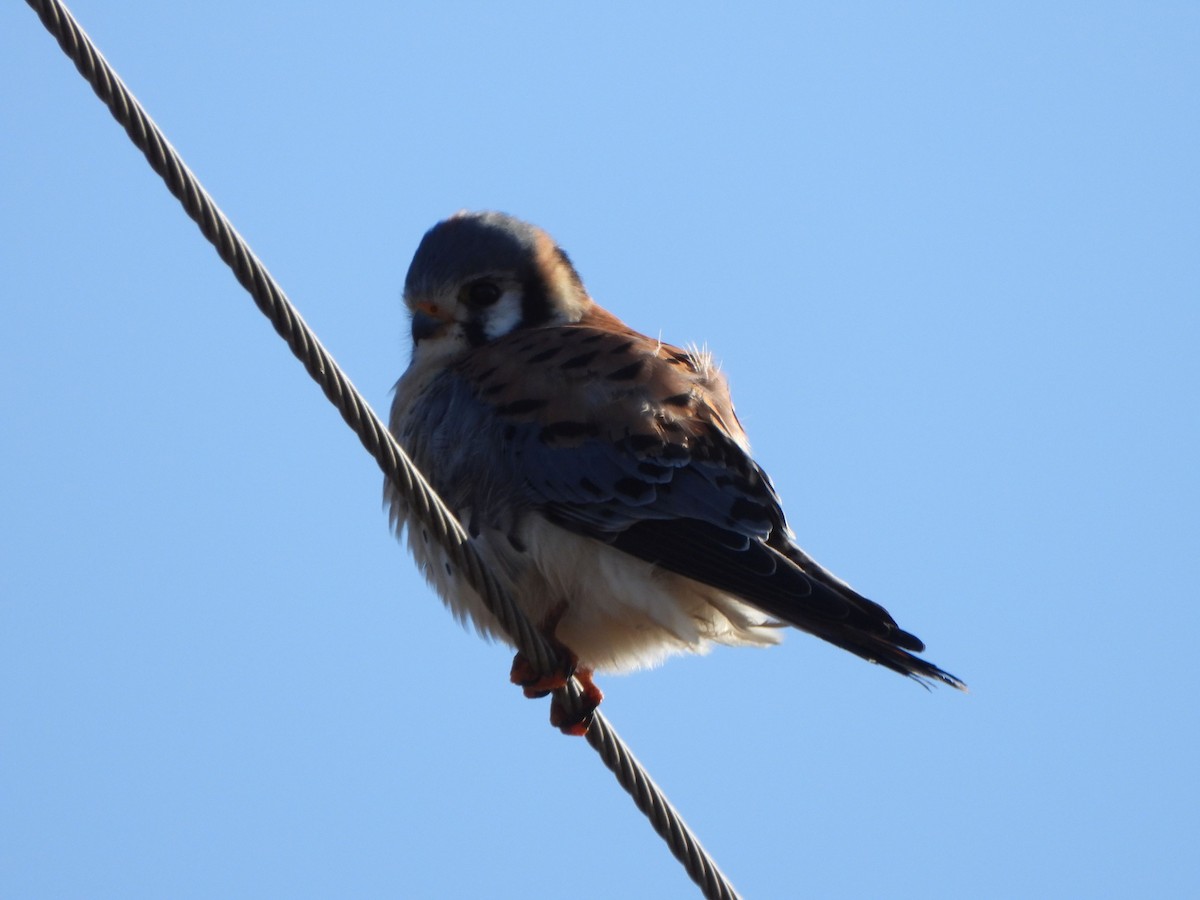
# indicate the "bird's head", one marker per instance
pixel 479 276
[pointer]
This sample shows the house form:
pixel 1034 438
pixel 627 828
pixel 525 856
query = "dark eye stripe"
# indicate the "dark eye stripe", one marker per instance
pixel 473 329
pixel 535 300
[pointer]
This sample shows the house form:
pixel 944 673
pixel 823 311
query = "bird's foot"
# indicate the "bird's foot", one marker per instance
pixel 577 723
pixel 534 685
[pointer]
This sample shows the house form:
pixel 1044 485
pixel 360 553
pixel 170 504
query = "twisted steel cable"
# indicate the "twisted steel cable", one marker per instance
pixel 391 458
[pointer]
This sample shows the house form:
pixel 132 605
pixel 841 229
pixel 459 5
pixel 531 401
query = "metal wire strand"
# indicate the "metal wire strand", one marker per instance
pixel 396 465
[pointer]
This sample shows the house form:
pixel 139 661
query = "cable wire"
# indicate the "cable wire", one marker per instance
pixel 395 464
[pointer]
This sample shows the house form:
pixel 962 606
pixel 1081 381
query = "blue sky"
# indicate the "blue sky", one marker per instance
pixel 947 255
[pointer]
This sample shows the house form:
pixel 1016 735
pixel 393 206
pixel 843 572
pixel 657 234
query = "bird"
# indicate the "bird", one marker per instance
pixel 601 474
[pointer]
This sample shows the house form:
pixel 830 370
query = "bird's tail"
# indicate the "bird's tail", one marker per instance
pixel 868 630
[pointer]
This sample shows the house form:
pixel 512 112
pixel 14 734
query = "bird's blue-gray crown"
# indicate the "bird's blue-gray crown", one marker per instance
pixel 468 244
pixel 477 243
pixel 492 273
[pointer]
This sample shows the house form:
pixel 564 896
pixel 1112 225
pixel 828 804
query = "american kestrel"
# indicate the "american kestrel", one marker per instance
pixel 601 473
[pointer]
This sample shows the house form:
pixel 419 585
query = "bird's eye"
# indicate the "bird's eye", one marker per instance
pixel 481 293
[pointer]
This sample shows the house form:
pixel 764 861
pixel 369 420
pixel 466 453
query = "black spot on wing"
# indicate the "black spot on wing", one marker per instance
pixel 654 472
pixel 634 490
pixel 580 360
pixel 641 443
pixel 654 448
pixel 627 373
pixel 676 452
pixel 747 512
pixel 521 407
pixel 750 484
pixel 559 431
pixel 680 358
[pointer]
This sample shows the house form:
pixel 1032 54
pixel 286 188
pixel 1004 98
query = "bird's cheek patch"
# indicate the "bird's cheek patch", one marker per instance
pixel 503 316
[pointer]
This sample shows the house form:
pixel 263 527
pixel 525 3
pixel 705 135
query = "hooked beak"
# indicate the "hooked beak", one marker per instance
pixel 427 321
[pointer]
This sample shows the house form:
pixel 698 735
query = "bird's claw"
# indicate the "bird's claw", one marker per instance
pixel 534 686
pixel 572 723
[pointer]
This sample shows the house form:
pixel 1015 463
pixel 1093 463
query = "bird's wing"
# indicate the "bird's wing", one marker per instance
pixel 633 442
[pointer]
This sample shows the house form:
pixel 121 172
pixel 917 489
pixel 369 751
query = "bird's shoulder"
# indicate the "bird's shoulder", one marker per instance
pixel 598 378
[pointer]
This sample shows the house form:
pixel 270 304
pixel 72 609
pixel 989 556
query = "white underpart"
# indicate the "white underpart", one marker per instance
pixel 621 613
pixel 504 316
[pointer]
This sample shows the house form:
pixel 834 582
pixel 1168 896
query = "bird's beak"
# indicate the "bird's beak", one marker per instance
pixel 427 321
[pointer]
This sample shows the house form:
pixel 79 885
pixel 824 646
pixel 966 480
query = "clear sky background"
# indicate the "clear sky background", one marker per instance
pixel 948 256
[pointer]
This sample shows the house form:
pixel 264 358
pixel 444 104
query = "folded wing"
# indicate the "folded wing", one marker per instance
pixel 635 443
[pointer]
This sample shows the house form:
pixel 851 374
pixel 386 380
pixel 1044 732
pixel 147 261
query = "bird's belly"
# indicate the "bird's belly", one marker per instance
pixel 615 612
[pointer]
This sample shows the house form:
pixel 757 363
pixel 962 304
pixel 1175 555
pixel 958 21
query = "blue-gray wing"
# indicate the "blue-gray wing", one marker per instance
pixel 635 443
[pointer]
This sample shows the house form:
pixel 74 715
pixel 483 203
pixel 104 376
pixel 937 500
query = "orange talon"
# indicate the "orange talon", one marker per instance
pixel 577 725
pixel 535 685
